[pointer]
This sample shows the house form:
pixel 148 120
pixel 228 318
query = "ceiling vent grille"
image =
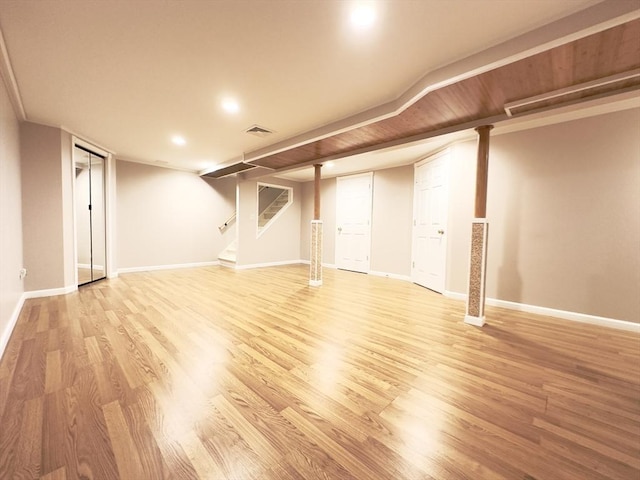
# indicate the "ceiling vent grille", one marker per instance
pixel 258 131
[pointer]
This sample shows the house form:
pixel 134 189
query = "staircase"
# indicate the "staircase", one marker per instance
pixel 228 256
pixel 272 210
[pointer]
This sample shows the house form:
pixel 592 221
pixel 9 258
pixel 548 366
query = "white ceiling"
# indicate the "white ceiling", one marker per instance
pixel 128 75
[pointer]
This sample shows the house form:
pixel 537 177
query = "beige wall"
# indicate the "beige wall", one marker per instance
pixel 169 217
pixel 11 287
pixel 391 222
pixel 564 213
pixel 392 212
pixel 44 223
pixel 280 242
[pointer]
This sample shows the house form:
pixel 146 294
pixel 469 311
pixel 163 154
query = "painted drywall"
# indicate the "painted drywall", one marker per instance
pixel 564 213
pixel 170 217
pixel 43 222
pixel 392 211
pixel 391 221
pixel 280 242
pixel 11 287
pixel 563 210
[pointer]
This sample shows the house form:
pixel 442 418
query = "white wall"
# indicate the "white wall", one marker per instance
pixel 11 287
pixel 280 242
pixel 170 217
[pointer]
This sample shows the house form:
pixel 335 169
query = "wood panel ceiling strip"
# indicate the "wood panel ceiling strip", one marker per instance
pixel 603 55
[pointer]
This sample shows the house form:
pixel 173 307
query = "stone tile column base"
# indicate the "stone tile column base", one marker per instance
pixel 315 271
pixel 477 272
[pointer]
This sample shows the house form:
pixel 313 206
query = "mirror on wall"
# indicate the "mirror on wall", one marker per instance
pixel 272 199
pixel 90 215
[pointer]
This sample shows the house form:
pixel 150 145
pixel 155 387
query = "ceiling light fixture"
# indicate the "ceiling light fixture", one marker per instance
pixel 230 105
pixel 363 16
pixel 178 140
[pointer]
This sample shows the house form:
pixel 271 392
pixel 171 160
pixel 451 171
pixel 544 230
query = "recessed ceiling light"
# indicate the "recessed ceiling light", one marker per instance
pixel 230 105
pixel 363 16
pixel 178 140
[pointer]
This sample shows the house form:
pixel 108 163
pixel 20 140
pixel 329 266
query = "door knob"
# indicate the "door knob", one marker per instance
pixel 441 232
pixel 339 229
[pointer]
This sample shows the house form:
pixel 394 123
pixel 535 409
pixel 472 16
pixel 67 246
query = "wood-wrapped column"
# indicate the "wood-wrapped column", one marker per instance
pixel 315 270
pixel 479 234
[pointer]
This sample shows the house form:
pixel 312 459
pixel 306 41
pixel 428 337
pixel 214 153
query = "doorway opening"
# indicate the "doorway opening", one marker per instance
pixel 91 231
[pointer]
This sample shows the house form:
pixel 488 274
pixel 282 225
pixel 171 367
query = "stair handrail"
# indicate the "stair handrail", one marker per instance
pixel 228 222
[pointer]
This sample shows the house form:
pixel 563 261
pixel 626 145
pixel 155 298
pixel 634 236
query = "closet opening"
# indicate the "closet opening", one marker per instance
pixel 91 231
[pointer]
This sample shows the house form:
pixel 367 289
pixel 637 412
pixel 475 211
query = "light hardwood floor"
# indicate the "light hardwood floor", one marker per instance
pixel 213 373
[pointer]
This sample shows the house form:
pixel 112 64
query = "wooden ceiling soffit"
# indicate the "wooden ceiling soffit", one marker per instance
pixel 229 170
pixel 615 83
pixel 551 79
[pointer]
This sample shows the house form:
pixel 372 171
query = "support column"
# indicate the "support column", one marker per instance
pixel 479 234
pixel 315 272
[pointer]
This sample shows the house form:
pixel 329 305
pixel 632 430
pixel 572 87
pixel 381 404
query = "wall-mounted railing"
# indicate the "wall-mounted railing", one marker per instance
pixel 227 223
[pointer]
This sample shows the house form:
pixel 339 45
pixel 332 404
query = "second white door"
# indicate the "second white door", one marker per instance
pixel 430 222
pixel 353 222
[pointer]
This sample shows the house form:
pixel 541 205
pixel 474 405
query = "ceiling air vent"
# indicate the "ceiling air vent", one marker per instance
pixel 258 131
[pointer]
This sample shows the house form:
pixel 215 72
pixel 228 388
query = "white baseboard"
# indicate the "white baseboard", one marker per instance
pixel 325 265
pixel 51 292
pixel 395 276
pixel 552 312
pixel 6 334
pixel 167 267
pixel 269 264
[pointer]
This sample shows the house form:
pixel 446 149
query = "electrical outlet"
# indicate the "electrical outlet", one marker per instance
pixel 23 273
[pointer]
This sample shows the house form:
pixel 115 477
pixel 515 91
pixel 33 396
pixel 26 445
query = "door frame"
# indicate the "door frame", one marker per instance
pixel 368 262
pixel 109 205
pixel 446 153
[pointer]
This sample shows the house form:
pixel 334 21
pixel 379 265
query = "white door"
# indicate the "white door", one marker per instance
pixel 353 222
pixel 430 222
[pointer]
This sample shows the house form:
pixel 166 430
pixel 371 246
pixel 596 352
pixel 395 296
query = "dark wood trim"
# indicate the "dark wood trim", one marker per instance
pixel 316 191
pixel 482 171
pixel 588 60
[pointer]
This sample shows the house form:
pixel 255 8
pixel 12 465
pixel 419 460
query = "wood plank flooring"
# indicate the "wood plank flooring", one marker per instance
pixel 213 373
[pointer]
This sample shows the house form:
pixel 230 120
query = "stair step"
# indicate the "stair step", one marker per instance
pixel 227 263
pixel 229 256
